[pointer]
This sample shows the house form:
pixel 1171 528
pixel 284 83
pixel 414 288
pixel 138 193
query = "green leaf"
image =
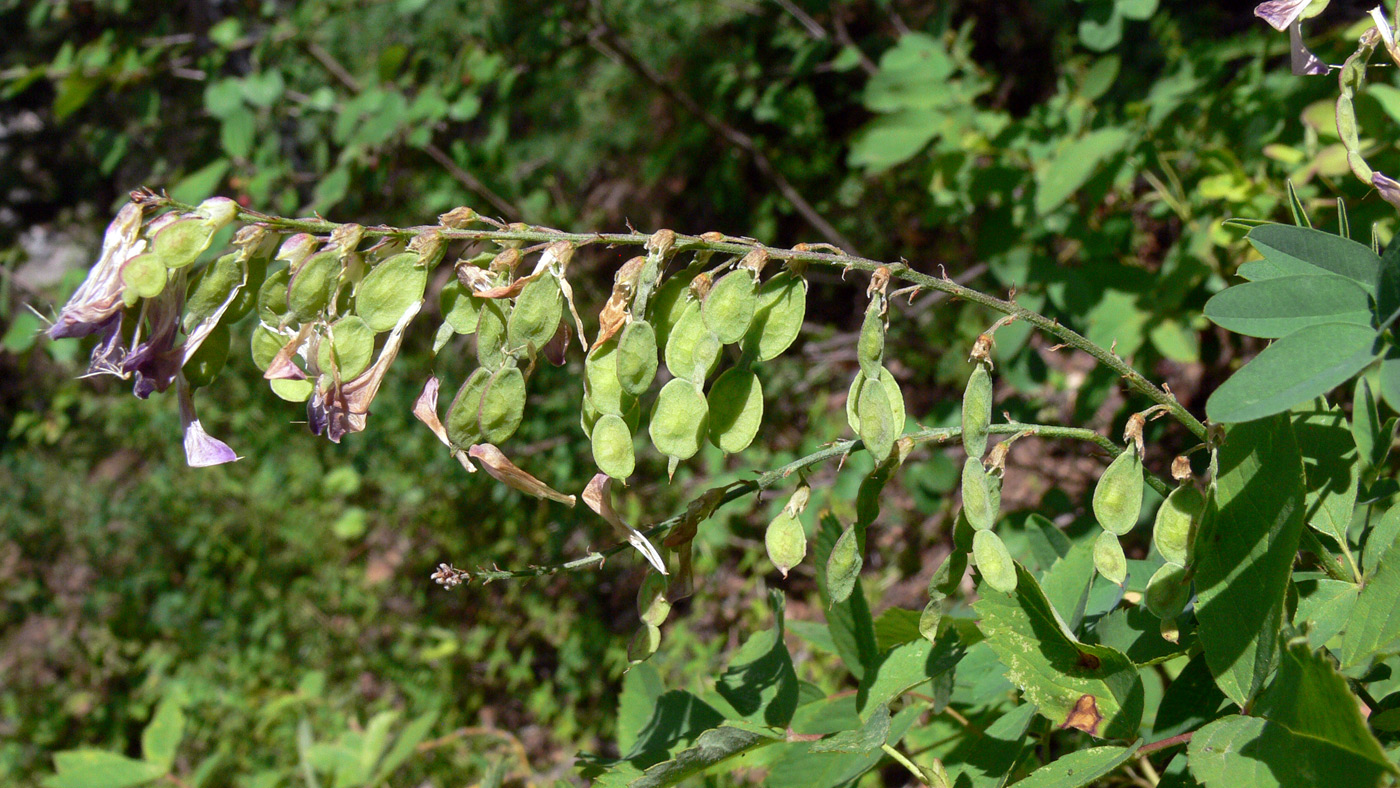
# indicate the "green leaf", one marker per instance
pixel 1244 552
pixel 162 735
pixel 907 666
pixel 405 746
pixel 997 750
pixel 1390 379
pixel 1311 699
pixel 1068 580
pixel 1307 363
pixel 1079 768
pixel 1072 166
pixel 1138 634
pixel 712 747
pixel 1190 701
pixel 894 138
pixel 675 721
pixel 852 629
pixel 913 74
pixel 799 767
pixel 1329 468
pixel 1249 752
pixel 1290 251
pixel 641 688
pixel 1372 436
pixel 1277 307
pixel 1324 607
pixel 1379 538
pixel 201 183
pixel 1374 627
pixel 869 736
pixel 1093 688
pixel 99 769
pixel 760 682
pixel 896 626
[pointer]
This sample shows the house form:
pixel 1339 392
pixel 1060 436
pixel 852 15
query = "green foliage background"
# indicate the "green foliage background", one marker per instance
pixel 1014 145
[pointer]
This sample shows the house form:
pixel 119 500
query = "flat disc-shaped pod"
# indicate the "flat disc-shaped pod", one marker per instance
pixel 1168 591
pixel 460 309
pixel 977 411
pixel 209 360
pixel 667 305
pixel 312 285
pixel 729 308
pixel 786 541
pixel 389 289
pixel 1109 558
pixel 535 317
pixel 843 565
pixel 612 446
pixel 463 424
pixel 870 347
pixel 210 289
pixel 181 242
pixel 292 390
pixel 736 409
pixel 349 348
pixel 502 405
pixel 636 357
pixel 994 561
pixel 1118 494
pixel 145 276
pixel 877 425
pixel 782 305
pixel 600 379
pixel 491 333
pixel 265 346
pixel 977 495
pixel 679 419
pixel 892 392
pixel 692 351
pixel 1176 522
pixel 272 296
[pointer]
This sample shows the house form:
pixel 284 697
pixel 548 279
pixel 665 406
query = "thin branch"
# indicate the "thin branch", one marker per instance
pixel 1180 738
pixel 905 762
pixel 814 28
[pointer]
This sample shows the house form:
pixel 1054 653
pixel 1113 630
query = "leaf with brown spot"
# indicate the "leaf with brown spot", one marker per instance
pixel 1085 716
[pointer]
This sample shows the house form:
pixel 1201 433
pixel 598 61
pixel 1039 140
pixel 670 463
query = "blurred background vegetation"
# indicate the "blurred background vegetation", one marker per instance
pixel 1080 153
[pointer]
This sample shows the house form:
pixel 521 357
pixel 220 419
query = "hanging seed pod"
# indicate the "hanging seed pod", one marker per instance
pixel 652 605
pixel 1168 591
pixel 182 242
pixel 600 379
pixel 1175 526
pixel 949 574
pixel 1109 558
pixel 272 297
pixel 255 249
pixel 502 405
pixel 292 390
pixel 265 346
pixel 349 349
pixel 736 409
pixel 692 350
pixel 877 427
pixel 311 286
pixel 612 446
pixel 463 424
pixel 870 348
pixel 994 561
pixel 144 276
pixel 843 566
pixel 390 289
pixel 930 618
pixel 977 495
pixel 892 394
pixel 786 541
pixel 644 644
pixel 491 333
pixel 668 303
pixel 1118 495
pixel 211 290
pixel 536 315
pixel 460 309
pixel 679 419
pixel 729 308
pixel 207 362
pixel 977 411
pixel 636 357
pixel 777 320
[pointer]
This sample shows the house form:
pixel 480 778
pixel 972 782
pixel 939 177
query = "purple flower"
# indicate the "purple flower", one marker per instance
pixel 100 297
pixel 1287 15
pixel 201 449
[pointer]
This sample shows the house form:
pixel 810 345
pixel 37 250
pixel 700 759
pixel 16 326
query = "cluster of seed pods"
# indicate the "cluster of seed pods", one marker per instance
pixel 981 483
pixel 1174 534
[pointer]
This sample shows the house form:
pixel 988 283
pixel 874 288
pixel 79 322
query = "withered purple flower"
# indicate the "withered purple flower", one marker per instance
pixel 98 302
pixel 1287 15
pixel 201 449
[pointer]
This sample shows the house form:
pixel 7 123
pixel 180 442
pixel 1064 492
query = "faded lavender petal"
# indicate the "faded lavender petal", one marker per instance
pixel 1388 188
pixel 1303 61
pixel 201 449
pixel 508 473
pixel 598 496
pixel 155 360
pixel 425 410
pixel 1281 14
pixel 109 354
pixel 100 295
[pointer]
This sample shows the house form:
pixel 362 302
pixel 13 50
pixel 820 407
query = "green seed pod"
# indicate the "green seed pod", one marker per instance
pixel 460 309
pixel 667 305
pixel 209 360
pixel 612 446
pixel 652 605
pixel 256 263
pixel 679 419
pixel 311 286
pixel 843 566
pixel 502 405
pixel 181 242
pixel 729 308
pixel 1118 495
pixel 210 290
pixel 144 276
pixel 463 425
pixel 644 644
pixel 293 390
pixel 588 416
pixel 736 409
pixel 877 427
pixel 786 541
pixel 1109 558
pixel 977 495
pixel 600 379
pixel 892 393
pixel 870 348
pixel 782 305
pixel 949 574
pixel 265 346
pixel 1168 591
pixel 272 297
pixel 389 290
pixel 994 561
pixel 1174 529
pixel 692 350
pixel 491 334
pixel 977 411
pixel 348 349
pixel 930 619
pixel 535 317
pixel 636 357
